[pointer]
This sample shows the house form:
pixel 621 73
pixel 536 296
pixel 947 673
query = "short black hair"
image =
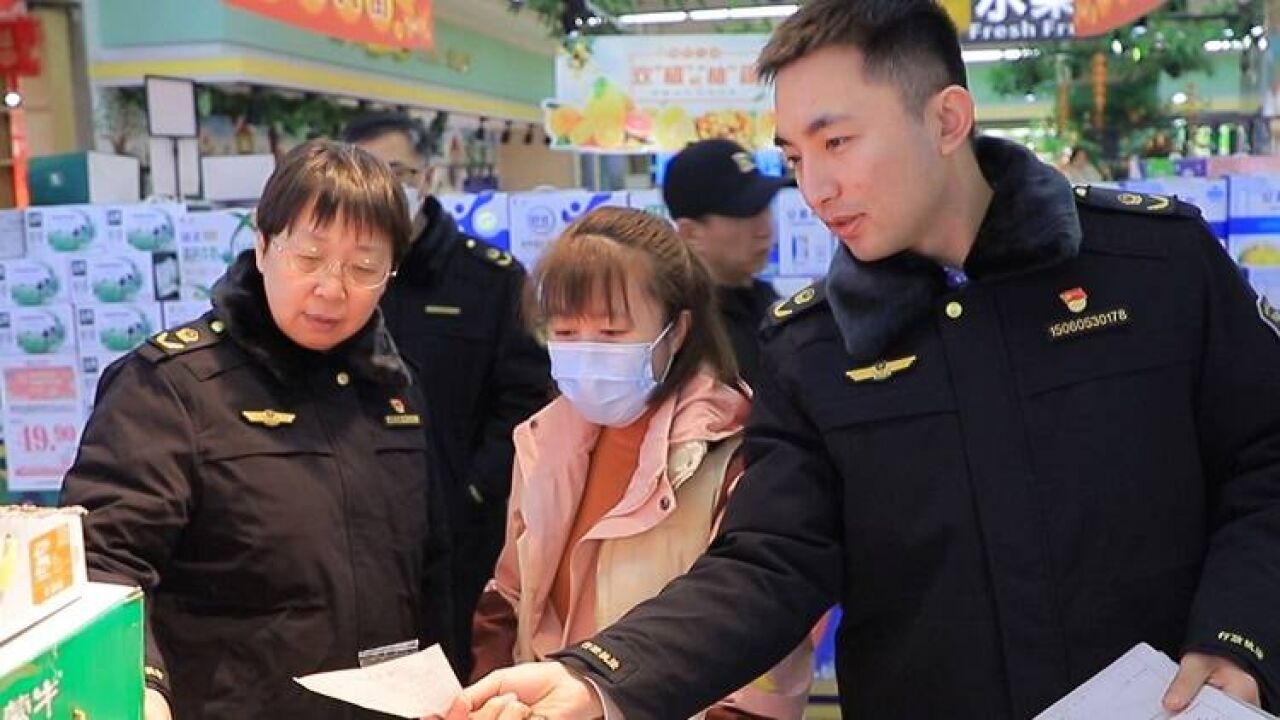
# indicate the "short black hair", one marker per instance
pixel 371 126
pixel 912 44
pixel 335 179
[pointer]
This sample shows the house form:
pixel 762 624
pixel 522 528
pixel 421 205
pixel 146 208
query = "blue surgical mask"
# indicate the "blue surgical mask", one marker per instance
pixel 607 383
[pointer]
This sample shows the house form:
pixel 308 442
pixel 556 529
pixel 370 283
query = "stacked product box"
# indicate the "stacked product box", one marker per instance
pixel 183 312
pixel 538 218
pixel 13 234
pixel 42 566
pixel 105 332
pixel 85 661
pixel 207 243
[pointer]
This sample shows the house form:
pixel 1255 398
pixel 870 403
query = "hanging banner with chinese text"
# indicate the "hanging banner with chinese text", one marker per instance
pixel 1002 21
pixel 393 23
pixel 657 94
pixel 1020 20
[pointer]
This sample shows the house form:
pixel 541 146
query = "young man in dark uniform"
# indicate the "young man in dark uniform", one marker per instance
pixel 454 310
pixel 720 203
pixel 1018 429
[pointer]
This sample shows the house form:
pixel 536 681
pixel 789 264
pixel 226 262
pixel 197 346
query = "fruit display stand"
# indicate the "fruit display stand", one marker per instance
pixel 84 662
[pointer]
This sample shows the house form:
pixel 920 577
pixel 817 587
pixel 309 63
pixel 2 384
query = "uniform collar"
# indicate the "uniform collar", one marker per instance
pixel 431 248
pixel 240 301
pixel 1030 224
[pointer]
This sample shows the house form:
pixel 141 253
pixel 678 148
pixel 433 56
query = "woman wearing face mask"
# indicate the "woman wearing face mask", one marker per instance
pixel 262 472
pixel 618 484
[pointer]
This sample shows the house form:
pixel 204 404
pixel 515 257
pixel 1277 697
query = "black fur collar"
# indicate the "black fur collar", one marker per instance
pixel 1031 224
pixel 240 301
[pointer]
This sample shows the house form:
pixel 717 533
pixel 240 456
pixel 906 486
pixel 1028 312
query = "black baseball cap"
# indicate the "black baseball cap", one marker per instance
pixel 717 177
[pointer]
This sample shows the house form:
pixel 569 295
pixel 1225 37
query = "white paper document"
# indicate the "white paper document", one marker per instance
pixel 413 686
pixel 1133 688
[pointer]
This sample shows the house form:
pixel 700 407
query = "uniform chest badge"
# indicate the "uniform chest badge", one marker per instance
pixel 269 418
pixel 400 417
pixel 449 310
pixel 1076 299
pixel 882 370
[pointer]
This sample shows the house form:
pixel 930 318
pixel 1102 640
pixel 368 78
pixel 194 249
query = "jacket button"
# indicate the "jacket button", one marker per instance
pixel 665 504
pixel 954 310
pixel 343 379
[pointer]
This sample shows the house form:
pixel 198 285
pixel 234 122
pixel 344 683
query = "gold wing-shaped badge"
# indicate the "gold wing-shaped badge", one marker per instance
pixel 269 418
pixel 882 370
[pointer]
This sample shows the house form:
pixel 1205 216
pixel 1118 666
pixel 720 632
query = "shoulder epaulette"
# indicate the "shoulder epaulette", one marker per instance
pixel 785 311
pixel 1129 201
pixel 193 336
pixel 489 253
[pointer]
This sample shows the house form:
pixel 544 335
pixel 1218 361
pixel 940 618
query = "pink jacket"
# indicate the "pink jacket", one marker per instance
pixel 666 518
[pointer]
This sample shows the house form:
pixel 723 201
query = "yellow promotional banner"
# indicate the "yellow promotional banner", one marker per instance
pixel 631 94
pixel 394 23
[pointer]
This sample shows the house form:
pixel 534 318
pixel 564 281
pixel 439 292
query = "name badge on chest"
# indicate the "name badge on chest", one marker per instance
pixel 1076 301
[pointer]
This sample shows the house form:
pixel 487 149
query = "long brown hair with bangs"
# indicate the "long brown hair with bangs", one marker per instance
pixel 591 262
pixel 335 179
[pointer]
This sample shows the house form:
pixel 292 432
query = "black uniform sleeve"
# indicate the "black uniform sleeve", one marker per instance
pixel 133 473
pixel 1235 612
pixel 521 385
pixel 774 569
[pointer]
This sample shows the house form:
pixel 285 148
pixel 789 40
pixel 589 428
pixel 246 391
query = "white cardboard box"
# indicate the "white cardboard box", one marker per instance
pixel 183 312
pixel 31 282
pixel 57 230
pixel 207 243
pixel 149 226
pixel 13 234
pixel 115 328
pixel 538 218
pixel 37 331
pixel 122 276
pixel 42 566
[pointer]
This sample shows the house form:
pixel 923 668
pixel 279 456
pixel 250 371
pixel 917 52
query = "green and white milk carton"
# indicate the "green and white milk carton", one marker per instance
pixel 84 661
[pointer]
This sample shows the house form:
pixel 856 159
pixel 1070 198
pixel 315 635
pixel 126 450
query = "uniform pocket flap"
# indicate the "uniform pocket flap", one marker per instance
pixel 1072 369
pixel 882 404
pixel 228 441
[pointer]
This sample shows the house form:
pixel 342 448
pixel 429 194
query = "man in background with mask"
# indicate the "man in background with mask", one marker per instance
pixel 720 203
pixel 453 309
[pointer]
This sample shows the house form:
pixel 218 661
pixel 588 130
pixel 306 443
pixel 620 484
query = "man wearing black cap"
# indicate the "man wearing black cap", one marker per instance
pixel 720 203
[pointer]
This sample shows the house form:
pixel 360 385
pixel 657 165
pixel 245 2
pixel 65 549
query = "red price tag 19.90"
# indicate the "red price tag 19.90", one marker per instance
pixel 42 420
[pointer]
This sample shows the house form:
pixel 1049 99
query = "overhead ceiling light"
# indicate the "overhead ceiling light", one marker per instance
pixel 711 15
pixel 979 56
pixel 758 12
pixel 654 18
pixel 763 11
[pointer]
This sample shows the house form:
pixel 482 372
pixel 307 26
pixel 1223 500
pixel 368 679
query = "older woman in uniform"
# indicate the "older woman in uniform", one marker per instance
pixel 262 473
